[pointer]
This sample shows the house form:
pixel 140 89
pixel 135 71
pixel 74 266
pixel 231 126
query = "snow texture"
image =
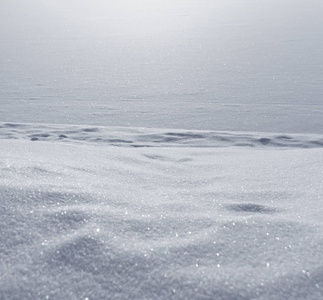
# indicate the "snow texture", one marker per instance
pixel 83 220
pixel 141 137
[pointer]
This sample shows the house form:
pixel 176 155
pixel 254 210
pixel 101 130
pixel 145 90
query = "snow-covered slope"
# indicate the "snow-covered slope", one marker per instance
pixel 83 220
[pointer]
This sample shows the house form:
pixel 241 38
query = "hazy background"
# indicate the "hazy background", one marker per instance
pixel 223 65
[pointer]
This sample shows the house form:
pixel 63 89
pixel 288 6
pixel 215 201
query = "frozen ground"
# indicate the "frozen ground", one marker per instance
pixel 161 149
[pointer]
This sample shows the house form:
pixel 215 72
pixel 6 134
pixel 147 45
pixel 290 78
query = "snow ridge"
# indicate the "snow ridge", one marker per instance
pixel 151 137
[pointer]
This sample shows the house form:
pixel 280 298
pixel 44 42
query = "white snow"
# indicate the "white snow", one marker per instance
pixel 246 65
pixel 161 149
pixel 93 220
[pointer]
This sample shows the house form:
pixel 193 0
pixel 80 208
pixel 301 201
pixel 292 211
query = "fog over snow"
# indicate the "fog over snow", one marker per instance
pixel 161 149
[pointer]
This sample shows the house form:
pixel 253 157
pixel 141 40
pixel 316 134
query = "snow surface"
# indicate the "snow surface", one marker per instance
pixel 246 65
pixel 92 220
pixel 161 149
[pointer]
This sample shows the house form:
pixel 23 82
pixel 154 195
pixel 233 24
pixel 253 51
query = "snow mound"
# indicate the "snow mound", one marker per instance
pixel 83 221
pixel 143 137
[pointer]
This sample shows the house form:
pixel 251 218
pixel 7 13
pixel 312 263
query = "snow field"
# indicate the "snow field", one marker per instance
pixel 191 165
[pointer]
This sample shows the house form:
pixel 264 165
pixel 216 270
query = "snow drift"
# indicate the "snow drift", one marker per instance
pixel 93 220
